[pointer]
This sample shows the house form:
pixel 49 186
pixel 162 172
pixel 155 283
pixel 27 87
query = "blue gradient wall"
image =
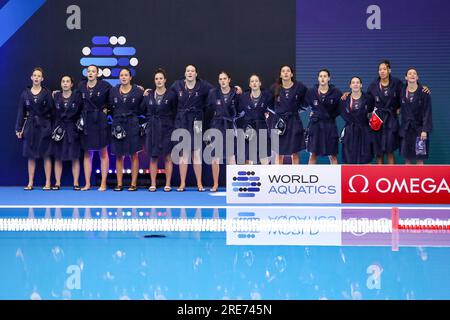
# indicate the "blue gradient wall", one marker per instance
pixel 334 34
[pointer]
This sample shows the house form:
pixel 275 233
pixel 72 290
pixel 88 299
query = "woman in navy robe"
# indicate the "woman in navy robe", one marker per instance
pixel 289 98
pixel 96 133
pixel 322 134
pixel 66 138
pixel 34 126
pixel 223 103
pixel 356 137
pixel 255 104
pixel 192 93
pixel 125 101
pixel 416 120
pixel 386 94
pixel 160 108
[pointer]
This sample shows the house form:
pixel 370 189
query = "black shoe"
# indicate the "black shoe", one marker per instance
pixel 118 188
pixel 132 188
pixel 76 188
pixel 56 187
pixel 28 188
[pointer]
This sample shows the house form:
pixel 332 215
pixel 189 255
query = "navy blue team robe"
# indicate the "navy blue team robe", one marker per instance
pixel 96 133
pixel 223 115
pixel 287 106
pixel 160 123
pixel 357 140
pixel 416 117
pixel 387 102
pixel 34 117
pixel 67 112
pixel 254 117
pixel 191 105
pixel 126 109
pixel 322 132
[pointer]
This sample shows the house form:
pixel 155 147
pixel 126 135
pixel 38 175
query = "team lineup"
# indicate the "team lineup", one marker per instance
pixel 71 123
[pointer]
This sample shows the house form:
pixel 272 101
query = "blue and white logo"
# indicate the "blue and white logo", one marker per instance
pixel 246 184
pixel 283 184
pixel 109 54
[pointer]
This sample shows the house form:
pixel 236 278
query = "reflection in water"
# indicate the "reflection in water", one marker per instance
pixel 58 253
pixel 234 253
pixel 330 226
pixel 35 296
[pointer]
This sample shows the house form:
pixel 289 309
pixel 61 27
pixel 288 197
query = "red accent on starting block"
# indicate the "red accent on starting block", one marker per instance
pixel 395 218
pixel 395 226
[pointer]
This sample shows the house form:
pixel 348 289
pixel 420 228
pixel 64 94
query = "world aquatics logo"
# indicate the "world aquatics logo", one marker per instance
pixel 246 184
pixel 109 54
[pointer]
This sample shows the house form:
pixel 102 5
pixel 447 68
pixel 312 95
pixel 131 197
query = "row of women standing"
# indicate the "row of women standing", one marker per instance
pixel 52 126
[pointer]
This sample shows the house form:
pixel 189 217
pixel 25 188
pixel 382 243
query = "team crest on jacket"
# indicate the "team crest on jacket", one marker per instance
pixel 218 102
pixel 316 102
pixel 64 105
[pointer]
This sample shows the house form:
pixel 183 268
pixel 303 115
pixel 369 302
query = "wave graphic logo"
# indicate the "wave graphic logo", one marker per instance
pixel 245 218
pixel 246 184
pixel 110 54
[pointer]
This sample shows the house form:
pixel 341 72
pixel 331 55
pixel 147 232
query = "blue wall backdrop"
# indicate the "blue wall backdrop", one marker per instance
pixel 242 37
pixel 335 35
